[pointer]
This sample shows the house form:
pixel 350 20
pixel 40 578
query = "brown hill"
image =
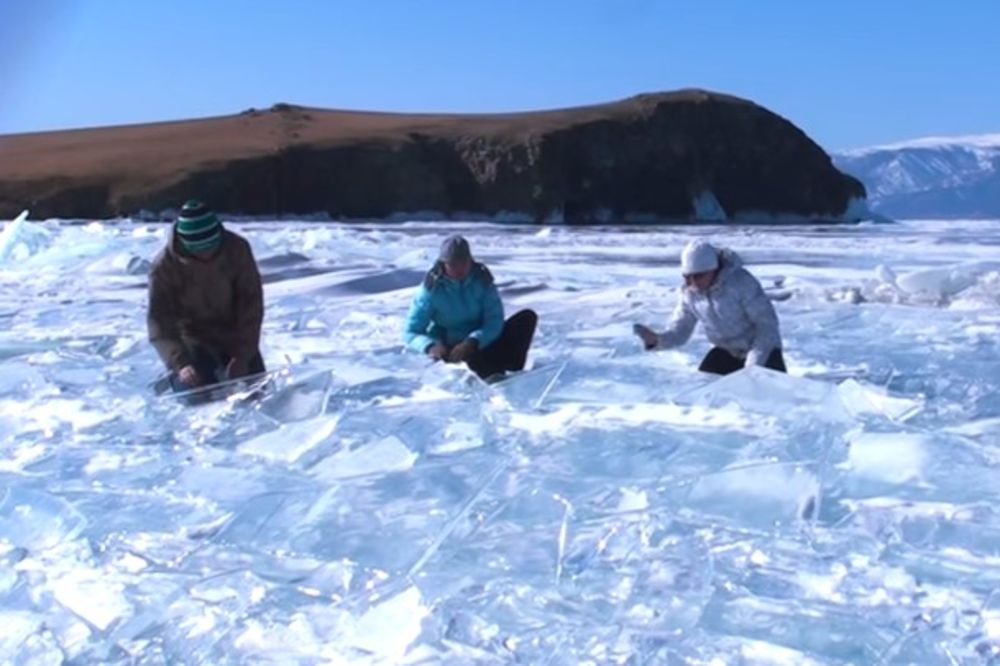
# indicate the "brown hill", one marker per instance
pixel 642 159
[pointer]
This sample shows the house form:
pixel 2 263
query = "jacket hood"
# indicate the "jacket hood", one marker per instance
pixel 729 262
pixel 436 274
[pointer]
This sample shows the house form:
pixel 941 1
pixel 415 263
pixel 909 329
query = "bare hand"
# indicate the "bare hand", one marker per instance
pixel 464 350
pixel 189 376
pixel 437 351
pixel 649 338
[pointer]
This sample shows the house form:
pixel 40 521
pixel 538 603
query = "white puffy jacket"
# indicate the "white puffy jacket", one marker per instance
pixel 735 311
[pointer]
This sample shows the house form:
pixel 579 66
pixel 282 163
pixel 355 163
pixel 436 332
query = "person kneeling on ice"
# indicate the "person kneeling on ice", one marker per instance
pixel 738 317
pixel 457 316
pixel 206 302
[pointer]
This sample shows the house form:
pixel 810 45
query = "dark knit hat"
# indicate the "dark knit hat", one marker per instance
pixel 198 228
pixel 455 248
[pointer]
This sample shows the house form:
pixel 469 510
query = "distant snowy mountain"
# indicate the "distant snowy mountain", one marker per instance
pixel 948 177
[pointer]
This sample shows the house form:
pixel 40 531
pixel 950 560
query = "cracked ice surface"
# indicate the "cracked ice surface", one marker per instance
pixel 606 505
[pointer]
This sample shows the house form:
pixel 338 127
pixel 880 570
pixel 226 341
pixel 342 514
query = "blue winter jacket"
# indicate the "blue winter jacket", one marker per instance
pixel 449 311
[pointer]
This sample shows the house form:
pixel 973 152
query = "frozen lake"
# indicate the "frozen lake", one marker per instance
pixel 606 506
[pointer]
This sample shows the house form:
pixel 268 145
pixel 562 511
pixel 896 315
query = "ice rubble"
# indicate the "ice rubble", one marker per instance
pixel 606 505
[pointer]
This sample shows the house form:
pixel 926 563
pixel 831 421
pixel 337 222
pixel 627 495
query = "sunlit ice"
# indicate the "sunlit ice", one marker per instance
pixel 607 503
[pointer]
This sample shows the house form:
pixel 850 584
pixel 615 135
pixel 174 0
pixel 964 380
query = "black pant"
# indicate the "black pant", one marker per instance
pixel 211 367
pixel 510 350
pixel 720 362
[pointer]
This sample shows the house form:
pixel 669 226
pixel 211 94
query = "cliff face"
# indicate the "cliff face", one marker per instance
pixel 647 158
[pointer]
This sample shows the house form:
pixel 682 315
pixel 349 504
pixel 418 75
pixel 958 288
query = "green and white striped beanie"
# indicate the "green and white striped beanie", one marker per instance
pixel 198 228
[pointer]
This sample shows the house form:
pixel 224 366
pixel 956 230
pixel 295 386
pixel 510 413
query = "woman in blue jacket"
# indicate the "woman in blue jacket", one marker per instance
pixel 457 316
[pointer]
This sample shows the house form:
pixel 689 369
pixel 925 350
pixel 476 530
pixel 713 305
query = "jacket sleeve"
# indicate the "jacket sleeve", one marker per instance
pixel 681 325
pixel 418 320
pixel 760 311
pixel 249 305
pixel 161 323
pixel 492 325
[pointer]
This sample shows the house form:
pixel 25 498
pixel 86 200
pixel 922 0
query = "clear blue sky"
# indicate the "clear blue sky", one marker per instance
pixel 849 73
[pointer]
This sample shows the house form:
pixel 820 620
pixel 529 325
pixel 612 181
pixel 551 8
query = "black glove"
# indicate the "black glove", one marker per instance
pixel 649 338
pixel 463 351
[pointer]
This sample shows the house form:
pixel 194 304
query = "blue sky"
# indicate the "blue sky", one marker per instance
pixel 849 73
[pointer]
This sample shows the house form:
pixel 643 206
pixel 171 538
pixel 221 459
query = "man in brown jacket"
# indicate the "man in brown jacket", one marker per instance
pixel 206 302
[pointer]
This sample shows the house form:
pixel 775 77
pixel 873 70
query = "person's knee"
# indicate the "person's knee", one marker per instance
pixel 712 366
pixel 527 320
pixel 257 364
pixel 713 369
pixel 776 361
pixel 526 317
pixel 718 361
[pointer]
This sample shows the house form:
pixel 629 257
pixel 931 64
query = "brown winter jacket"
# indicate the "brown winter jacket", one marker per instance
pixel 218 303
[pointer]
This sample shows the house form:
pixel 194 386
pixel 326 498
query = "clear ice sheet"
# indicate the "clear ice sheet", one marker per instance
pixel 604 506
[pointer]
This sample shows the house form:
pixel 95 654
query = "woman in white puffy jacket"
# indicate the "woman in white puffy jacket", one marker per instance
pixel 738 317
